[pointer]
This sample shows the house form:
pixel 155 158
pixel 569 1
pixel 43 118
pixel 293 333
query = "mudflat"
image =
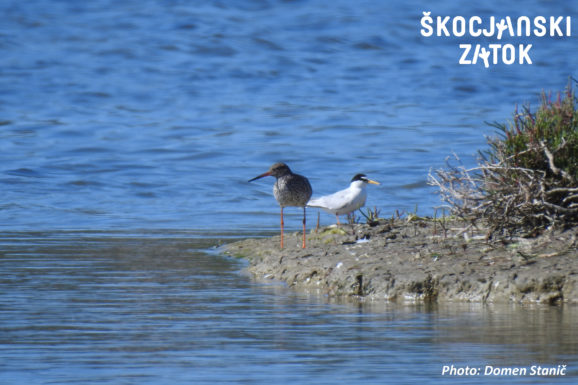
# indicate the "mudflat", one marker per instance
pixel 421 260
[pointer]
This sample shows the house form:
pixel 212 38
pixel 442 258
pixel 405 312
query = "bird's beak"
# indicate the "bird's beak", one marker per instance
pixel 260 176
pixel 372 181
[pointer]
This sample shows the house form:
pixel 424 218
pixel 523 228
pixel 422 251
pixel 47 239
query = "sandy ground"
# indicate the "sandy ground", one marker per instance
pixel 421 260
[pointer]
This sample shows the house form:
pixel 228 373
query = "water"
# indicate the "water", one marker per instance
pixel 128 131
pixel 118 309
pixel 154 114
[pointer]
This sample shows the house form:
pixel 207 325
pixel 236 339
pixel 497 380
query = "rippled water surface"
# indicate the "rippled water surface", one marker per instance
pixel 154 114
pixel 119 309
pixel 128 131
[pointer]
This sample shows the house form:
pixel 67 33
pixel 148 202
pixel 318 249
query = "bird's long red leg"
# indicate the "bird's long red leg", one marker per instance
pixel 282 226
pixel 304 221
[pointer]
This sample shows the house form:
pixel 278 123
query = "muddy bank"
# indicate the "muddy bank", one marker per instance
pixel 421 260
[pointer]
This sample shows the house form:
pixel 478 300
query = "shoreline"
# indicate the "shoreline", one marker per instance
pixel 420 260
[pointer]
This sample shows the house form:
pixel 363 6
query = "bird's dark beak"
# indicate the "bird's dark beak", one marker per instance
pixel 260 176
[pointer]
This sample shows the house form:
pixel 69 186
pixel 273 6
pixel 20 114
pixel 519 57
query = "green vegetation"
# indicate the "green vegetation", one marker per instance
pixel 527 179
pixel 545 141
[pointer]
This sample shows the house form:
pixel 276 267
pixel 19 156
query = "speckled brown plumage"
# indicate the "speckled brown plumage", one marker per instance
pixel 289 190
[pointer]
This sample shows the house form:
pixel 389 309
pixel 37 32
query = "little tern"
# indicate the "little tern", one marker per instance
pixel 344 201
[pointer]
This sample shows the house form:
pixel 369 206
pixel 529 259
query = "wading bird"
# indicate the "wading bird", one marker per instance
pixel 290 190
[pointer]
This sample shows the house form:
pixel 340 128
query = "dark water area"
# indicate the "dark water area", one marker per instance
pixel 128 131
pixel 119 309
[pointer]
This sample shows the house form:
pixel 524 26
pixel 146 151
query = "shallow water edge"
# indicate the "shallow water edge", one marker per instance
pixel 90 308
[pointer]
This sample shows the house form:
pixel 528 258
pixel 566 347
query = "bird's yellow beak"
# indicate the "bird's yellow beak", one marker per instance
pixel 372 181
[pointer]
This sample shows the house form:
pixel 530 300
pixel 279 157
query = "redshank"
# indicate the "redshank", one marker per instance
pixel 345 201
pixel 290 190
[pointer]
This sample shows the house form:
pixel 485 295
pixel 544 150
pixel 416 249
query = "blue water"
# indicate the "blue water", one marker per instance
pixel 154 114
pixel 128 131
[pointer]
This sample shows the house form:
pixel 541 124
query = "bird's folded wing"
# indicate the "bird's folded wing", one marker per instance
pixel 316 202
pixel 334 201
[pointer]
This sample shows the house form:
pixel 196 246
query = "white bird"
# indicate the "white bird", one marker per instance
pixel 344 201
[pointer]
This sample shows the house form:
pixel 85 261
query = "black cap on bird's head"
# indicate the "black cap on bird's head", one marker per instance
pixel 363 178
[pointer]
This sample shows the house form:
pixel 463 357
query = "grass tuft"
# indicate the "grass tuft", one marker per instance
pixel 527 179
